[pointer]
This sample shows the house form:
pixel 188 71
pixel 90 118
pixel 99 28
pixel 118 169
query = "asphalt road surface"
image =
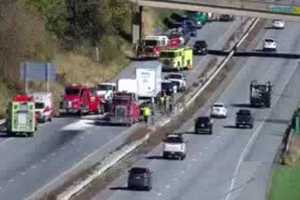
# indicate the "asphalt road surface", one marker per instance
pixel 232 163
pixel 29 164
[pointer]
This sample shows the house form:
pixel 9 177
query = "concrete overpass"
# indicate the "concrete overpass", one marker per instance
pixel 282 9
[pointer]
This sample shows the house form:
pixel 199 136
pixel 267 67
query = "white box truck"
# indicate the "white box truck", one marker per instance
pixel 148 77
pixel 127 85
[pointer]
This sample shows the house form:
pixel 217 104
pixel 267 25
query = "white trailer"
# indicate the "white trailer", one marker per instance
pixel 127 85
pixel 148 77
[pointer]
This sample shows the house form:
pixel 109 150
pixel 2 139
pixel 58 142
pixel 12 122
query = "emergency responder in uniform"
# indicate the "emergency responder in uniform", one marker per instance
pixel 162 101
pixel 146 113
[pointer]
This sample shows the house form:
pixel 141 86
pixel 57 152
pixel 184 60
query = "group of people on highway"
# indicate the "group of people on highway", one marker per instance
pixel 165 104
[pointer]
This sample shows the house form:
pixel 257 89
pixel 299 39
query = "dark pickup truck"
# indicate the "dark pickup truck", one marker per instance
pixel 244 119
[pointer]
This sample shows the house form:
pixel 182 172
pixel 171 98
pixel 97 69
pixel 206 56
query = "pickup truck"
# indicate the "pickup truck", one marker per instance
pixel 244 119
pixel 174 146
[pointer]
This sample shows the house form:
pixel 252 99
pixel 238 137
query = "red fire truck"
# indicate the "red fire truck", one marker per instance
pixel 125 109
pixel 79 99
pixel 151 46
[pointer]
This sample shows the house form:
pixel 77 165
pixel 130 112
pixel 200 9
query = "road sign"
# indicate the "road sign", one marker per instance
pixel 31 71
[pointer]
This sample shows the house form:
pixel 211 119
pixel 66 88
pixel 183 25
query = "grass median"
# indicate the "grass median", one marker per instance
pixel 286 183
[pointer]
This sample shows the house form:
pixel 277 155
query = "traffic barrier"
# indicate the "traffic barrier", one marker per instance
pixel 118 155
pixel 255 54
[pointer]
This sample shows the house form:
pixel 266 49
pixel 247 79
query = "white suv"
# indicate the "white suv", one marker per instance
pixel 278 24
pixel 270 45
pixel 219 110
pixel 174 146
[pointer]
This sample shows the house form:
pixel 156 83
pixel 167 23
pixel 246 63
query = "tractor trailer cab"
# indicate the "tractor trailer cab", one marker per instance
pixel 125 109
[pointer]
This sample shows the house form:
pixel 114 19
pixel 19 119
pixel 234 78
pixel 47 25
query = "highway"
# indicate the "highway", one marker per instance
pixel 30 165
pixel 232 163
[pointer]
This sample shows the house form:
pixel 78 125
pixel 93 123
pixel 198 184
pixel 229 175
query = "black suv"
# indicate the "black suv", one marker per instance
pixel 140 178
pixel 200 47
pixel 244 118
pixel 203 125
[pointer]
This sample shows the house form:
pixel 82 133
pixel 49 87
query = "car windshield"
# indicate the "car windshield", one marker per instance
pixel 244 112
pixel 175 76
pixel 72 91
pixel 218 105
pixel 167 54
pixel 138 170
pixel 204 120
pixel 174 139
pixel 200 43
pixel 104 87
pixel 39 105
pixel 269 40
pixel 150 42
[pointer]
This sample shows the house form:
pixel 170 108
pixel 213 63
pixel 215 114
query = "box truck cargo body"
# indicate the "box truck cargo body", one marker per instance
pixel 127 85
pixel 148 77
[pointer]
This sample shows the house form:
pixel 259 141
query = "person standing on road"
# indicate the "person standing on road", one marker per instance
pixel 146 113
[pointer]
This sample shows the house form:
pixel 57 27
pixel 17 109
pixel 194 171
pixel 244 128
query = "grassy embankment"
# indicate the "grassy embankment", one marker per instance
pixel 286 176
pixel 47 31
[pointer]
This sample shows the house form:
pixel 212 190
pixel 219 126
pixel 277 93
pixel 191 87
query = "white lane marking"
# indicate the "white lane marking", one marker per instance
pixel 23 173
pixel 53 154
pixel 159 194
pixel 44 160
pixel 182 171
pixel 167 186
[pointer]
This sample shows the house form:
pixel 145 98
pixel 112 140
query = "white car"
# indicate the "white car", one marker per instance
pixel 178 78
pixel 219 110
pixel 105 90
pixel 278 24
pixel 174 146
pixel 269 45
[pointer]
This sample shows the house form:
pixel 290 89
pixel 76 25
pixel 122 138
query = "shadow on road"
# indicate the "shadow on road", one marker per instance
pixel 241 105
pixel 119 188
pixel 155 157
pixel 230 126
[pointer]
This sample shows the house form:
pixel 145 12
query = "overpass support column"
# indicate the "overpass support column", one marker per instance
pixel 137 24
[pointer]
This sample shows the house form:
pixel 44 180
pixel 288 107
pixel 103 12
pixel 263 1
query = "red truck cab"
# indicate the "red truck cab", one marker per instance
pixel 125 109
pixel 80 99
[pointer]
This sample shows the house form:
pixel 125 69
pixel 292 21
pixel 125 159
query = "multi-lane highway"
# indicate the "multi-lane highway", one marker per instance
pixel 232 163
pixel 30 165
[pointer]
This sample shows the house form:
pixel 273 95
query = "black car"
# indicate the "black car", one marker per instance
pixel 244 118
pixel 203 125
pixel 140 178
pixel 200 47
pixel 226 18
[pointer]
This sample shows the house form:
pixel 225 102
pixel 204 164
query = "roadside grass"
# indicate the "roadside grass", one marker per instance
pixel 286 183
